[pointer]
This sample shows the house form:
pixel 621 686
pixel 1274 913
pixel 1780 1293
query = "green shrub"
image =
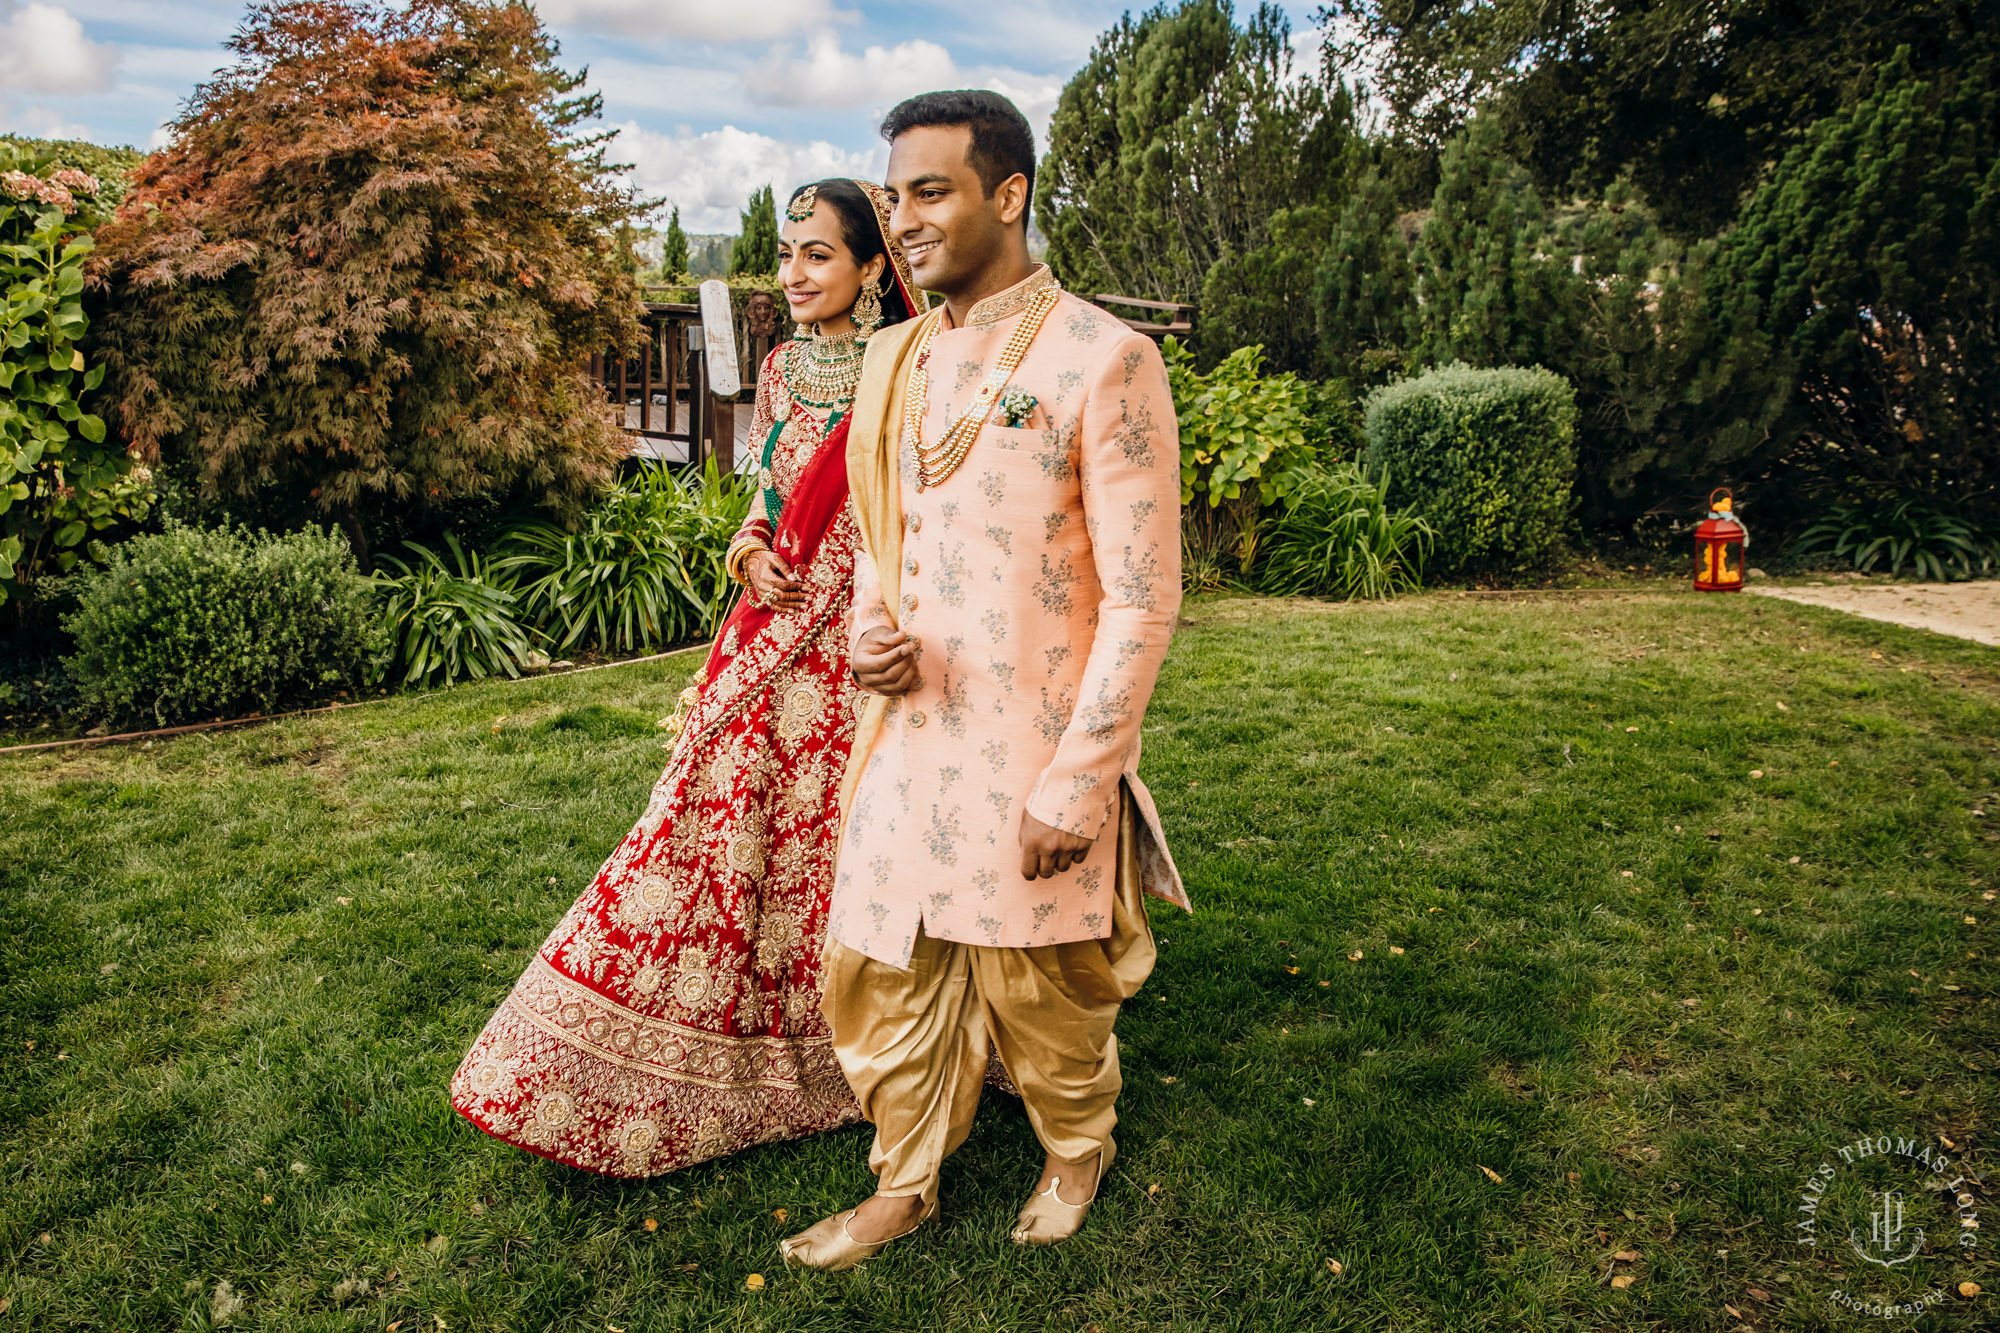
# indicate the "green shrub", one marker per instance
pixel 447 621
pixel 1337 537
pixel 197 622
pixel 1486 457
pixel 62 482
pixel 1247 440
pixel 1898 532
pixel 644 570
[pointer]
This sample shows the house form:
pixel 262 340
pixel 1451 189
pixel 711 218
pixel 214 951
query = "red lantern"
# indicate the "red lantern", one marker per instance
pixel 1718 544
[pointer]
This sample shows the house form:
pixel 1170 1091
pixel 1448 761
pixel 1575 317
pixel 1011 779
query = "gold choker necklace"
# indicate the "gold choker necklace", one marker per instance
pixel 822 372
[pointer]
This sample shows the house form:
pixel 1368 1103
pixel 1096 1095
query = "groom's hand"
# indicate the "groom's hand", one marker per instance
pixel 1045 849
pixel 884 662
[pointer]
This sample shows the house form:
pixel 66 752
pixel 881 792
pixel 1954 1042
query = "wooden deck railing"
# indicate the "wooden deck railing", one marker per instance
pixel 1180 323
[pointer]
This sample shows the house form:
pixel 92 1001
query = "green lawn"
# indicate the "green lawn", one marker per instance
pixel 1645 988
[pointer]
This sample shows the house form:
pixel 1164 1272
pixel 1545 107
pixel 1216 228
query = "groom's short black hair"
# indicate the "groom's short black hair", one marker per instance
pixel 1002 142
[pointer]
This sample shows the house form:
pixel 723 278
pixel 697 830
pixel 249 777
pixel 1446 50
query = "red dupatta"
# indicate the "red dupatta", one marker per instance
pixel 757 641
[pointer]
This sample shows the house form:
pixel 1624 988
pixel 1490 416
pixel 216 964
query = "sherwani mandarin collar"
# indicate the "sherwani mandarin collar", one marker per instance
pixel 1041 583
pixel 1005 303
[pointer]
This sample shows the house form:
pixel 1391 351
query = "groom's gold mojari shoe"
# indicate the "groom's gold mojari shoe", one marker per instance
pixel 828 1245
pixel 1046 1218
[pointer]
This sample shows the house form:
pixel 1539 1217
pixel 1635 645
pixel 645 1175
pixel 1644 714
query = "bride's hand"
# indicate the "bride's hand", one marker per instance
pixel 771 581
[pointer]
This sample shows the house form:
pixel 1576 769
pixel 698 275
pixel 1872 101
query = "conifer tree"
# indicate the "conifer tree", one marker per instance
pixel 1365 288
pixel 756 248
pixel 371 266
pixel 674 254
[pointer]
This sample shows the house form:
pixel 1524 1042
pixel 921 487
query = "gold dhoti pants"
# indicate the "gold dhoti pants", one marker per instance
pixel 913 1043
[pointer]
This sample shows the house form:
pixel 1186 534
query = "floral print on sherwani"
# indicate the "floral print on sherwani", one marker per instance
pixel 1041 582
pixel 674 1014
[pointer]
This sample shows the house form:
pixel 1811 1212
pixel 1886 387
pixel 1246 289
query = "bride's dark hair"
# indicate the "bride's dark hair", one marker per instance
pixel 862 231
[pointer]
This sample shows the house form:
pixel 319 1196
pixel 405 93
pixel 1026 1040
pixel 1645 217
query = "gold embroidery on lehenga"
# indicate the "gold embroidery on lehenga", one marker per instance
pixel 802 705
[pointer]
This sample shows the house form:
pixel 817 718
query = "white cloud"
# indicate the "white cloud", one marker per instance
pixel 707 20
pixel 43 50
pixel 832 77
pixel 709 177
pixel 41 122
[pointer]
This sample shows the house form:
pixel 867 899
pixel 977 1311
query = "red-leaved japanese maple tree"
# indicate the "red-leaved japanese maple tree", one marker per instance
pixel 371 265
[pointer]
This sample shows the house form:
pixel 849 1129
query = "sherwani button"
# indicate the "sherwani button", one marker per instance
pixel 909 603
pixel 910 565
pixel 914 522
pixel 916 717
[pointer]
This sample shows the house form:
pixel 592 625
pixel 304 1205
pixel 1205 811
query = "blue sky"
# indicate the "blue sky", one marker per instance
pixel 713 97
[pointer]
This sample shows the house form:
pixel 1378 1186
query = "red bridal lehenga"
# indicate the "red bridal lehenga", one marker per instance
pixel 674 1015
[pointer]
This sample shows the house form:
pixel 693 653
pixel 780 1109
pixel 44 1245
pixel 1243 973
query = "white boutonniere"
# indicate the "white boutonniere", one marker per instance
pixel 1016 406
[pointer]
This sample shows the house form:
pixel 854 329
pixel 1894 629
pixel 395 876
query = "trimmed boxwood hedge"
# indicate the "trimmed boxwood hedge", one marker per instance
pixel 1486 457
pixel 196 622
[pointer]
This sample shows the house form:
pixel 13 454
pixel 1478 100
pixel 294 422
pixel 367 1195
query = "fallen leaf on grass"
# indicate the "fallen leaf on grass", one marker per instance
pixel 652 1224
pixel 780 1214
pixel 1947 1143
pixel 108 969
pixel 1690 1003
pixel 1965 1289
pixel 1734 1313
pixel 1631 728
pixel 1782 708
pixel 1293 971
pixel 1624 874
pixel 436 1244
pixel 755 1282
pixel 1625 1256
pixel 608 1328
pixel 393 1327
pixel 1170 1078
pixel 1623 1280
pixel 1571 1177
pixel 1152 1191
pixel 1491 1174
pixel 1333 1266
pixel 1756 772
pixel 344 902
pixel 1758 1293
pixel 689 1268
pixel 1355 957
pixel 1309 1101
pixel 1395 948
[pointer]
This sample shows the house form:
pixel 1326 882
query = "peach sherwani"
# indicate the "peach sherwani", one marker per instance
pixel 1041 581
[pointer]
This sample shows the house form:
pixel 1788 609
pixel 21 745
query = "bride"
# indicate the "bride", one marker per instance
pixel 673 1015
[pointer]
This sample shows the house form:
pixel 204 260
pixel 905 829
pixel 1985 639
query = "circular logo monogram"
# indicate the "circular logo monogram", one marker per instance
pixel 1897 1216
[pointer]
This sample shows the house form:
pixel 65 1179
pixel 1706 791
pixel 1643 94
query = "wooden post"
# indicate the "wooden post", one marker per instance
pixel 725 435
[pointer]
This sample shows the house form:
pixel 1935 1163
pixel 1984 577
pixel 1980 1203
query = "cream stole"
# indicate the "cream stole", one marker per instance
pixel 874 438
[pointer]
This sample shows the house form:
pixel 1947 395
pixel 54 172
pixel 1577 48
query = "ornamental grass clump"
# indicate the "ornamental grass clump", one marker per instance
pixel 198 623
pixel 1486 457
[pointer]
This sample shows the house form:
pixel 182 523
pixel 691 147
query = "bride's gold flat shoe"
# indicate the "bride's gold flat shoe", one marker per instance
pixel 1046 1218
pixel 828 1245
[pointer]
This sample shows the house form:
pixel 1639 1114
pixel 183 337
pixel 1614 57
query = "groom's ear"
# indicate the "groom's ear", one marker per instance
pixel 1010 198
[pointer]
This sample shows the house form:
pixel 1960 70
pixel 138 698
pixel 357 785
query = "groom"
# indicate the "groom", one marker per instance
pixel 1015 467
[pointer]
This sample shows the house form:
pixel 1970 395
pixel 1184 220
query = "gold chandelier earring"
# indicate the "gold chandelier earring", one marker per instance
pixel 867 313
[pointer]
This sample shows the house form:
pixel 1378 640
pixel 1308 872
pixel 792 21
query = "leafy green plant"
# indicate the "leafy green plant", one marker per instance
pixel 1336 537
pixel 645 569
pixel 1487 457
pixel 448 621
pixel 195 622
pixel 1247 440
pixel 61 481
pixel 1906 531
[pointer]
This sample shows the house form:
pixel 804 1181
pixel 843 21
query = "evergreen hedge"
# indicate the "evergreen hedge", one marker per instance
pixel 1486 457
pixel 193 622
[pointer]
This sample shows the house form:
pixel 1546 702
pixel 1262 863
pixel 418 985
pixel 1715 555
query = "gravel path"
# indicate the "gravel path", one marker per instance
pixel 1968 610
